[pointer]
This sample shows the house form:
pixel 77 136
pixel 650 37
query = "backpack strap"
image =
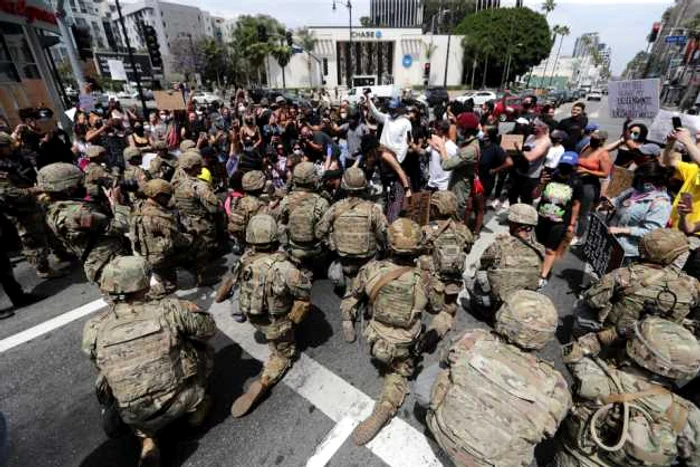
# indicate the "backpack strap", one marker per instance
pixel 530 246
pixel 385 279
pixel 615 398
pixel 441 230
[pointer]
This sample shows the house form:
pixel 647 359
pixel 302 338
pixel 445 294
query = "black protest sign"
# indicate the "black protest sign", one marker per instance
pixel 602 250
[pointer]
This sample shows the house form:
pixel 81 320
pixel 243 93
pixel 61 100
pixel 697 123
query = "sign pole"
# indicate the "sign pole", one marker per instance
pixel 137 76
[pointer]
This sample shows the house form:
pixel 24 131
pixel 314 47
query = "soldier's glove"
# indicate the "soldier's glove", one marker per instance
pixel 299 311
pixel 428 341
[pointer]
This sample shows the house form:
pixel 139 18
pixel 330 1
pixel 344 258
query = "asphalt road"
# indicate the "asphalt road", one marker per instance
pixel 46 389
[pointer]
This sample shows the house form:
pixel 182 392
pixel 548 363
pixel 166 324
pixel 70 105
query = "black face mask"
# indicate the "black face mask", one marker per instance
pixel 596 143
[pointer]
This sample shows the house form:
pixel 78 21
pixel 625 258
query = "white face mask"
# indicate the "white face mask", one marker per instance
pixel 297 152
pixel 480 135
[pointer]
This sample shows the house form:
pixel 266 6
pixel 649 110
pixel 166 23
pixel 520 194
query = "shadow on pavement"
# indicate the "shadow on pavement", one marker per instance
pixel 314 331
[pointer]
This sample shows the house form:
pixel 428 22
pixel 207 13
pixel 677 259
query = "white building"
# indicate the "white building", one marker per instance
pixel 380 56
pixel 396 13
pixel 87 14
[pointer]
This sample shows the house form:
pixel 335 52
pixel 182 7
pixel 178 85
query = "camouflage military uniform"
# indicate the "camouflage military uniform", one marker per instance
pixel 134 175
pixel 493 401
pixel 152 356
pixel 628 415
pixel 163 165
pixel 198 207
pixel 157 236
pixel 243 209
pixel 462 166
pixel 97 176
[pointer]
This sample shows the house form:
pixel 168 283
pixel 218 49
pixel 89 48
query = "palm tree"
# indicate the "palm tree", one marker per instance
pixel 562 31
pixel 555 32
pixel 308 42
pixel 548 6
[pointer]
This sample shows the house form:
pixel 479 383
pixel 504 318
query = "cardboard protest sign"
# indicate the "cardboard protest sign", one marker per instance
pixel 508 142
pixel 417 207
pixel 602 250
pixel 169 100
pixel 663 125
pixel 633 99
pixel 620 180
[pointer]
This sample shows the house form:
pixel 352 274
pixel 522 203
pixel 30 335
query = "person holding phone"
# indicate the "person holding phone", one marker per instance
pixel 687 172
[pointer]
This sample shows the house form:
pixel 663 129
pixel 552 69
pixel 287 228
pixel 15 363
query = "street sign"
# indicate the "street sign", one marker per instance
pixel 676 39
pixel 143 65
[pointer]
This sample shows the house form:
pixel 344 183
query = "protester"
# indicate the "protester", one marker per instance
pixel 528 164
pixel 440 178
pixel 491 159
pixel 594 165
pixel 628 146
pixel 574 125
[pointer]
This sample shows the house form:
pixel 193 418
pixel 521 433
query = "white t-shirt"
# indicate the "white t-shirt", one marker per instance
pixel 395 132
pixel 551 160
pixel 440 178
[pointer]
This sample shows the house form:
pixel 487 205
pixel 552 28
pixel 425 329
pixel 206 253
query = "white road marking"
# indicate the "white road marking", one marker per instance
pixel 48 326
pixel 332 442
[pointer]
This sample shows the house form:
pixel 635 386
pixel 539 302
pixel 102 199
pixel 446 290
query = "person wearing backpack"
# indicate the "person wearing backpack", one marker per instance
pixel 243 209
pixel 275 296
pixel 447 243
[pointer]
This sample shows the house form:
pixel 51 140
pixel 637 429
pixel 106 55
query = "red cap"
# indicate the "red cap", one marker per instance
pixel 468 121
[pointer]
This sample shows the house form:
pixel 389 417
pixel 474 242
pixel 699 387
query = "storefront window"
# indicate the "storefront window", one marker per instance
pixel 20 54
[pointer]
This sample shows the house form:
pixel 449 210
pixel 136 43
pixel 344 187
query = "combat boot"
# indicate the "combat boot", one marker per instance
pixel 196 418
pixel 349 331
pixel 150 455
pixel 245 402
pixel 368 429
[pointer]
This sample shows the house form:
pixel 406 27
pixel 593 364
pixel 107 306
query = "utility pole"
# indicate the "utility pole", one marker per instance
pixel 70 48
pixel 137 75
pixel 447 56
pixel 348 5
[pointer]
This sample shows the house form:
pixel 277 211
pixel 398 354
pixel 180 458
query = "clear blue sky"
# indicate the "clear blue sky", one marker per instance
pixel 622 24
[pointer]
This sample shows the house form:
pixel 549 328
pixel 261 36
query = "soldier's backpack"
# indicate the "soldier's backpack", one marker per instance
pixel 496 403
pixel 352 229
pixel 243 210
pixel 140 355
pixel 302 223
pixel 448 250
pixel 515 269
pixel 393 296
pixel 253 282
pixel 142 238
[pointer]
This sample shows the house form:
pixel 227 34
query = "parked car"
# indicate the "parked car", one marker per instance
pixel 479 97
pixel 508 108
pixel 435 95
pixel 204 97
pixel 594 95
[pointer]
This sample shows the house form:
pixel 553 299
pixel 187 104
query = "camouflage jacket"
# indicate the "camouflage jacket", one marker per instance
pixel 663 427
pixel 627 294
pixel 15 194
pixel 161 167
pixel 196 203
pixel 485 383
pixel 96 178
pixel 353 227
pixel 300 213
pixel 91 234
pixel 136 172
pixel 462 166
pixel 512 264
pixel 447 246
pixel 144 349
pixel 155 231
pixel 242 210
pixel 396 309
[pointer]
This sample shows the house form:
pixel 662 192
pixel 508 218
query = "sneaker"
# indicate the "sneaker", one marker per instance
pixel 542 284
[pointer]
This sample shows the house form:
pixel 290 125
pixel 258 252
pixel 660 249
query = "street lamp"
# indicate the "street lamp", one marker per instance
pixel 347 5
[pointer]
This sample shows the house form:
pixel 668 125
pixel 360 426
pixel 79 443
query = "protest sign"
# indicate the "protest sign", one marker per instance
pixel 86 102
pixel 663 125
pixel 147 157
pixel 417 207
pixel 633 99
pixel 620 180
pixel 508 142
pixel 602 250
pixel 169 100
pixel 116 70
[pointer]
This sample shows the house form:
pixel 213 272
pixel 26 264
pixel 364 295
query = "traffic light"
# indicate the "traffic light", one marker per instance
pixel 426 70
pixel 655 28
pixel 83 41
pixel 288 36
pixel 262 33
pixel 150 37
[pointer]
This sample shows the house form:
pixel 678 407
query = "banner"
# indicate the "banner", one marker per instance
pixel 634 99
pixel 602 250
pixel 116 69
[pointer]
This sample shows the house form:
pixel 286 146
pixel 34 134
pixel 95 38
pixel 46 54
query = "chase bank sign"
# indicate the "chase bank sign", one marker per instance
pixel 367 34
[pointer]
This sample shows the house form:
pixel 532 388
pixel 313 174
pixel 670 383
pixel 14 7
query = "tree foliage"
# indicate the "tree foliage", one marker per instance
pixel 496 33
pixel 365 21
pixel 636 65
pixel 248 52
pixel 458 12
pixel 307 40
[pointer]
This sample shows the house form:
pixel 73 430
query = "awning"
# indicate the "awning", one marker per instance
pixel 31 10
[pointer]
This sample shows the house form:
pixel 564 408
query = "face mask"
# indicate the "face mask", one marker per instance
pixel 595 143
pixel 343 115
pixel 644 187
pixel 297 152
pixel 480 135
pixel 634 136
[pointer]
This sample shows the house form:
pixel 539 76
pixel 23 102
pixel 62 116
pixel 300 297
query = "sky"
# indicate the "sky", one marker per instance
pixel 622 24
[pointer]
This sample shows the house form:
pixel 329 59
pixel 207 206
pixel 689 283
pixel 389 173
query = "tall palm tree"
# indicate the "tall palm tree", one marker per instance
pixel 555 32
pixel 562 31
pixel 308 42
pixel 548 6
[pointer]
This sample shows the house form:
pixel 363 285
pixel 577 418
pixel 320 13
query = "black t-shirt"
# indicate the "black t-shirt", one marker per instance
pixel 558 196
pixel 491 157
pixel 573 126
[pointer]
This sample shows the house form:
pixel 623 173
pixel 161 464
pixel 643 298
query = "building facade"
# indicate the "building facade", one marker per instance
pixel 487 4
pixel 583 42
pixel 377 56
pixel 86 14
pixel 396 13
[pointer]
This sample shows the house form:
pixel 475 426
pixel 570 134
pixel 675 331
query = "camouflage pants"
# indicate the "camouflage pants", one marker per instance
pixel 33 234
pixel 308 260
pixel 280 338
pixel 462 190
pixel 398 363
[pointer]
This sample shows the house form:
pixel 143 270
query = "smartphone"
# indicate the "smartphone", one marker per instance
pixel 687 198
pixel 677 123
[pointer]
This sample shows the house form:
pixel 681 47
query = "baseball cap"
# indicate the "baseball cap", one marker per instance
pixel 569 158
pixel 280 100
pixel 468 120
pixel 591 127
pixel 394 103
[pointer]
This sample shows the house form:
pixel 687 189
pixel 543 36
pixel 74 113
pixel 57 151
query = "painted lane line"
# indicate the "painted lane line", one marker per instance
pixel 398 444
pixel 48 326
pixel 332 442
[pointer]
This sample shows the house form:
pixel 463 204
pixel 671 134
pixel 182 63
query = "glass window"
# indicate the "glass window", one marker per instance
pixel 16 54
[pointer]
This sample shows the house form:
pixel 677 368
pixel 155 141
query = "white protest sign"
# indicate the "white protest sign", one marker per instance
pixel 87 102
pixel 663 125
pixel 116 69
pixel 147 157
pixel 633 99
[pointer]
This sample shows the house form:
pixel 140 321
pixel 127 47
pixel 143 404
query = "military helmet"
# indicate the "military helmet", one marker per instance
pixel 95 151
pixel 125 274
pixel 131 152
pixel 665 348
pixel 405 236
pixel 354 180
pixel 527 319
pixel 253 181
pixel 522 214
pixel 189 160
pixel 157 187
pixel 261 230
pixel 58 177
pixel 187 144
pixel 445 202
pixel 305 174
pixel 663 246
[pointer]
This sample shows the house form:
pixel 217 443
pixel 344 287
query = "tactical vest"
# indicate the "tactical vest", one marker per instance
pixel 139 353
pixel 352 232
pixel 448 249
pixel 518 267
pixel 243 210
pixel 655 421
pixel 496 404
pixel 144 240
pixel 302 223
pixel 395 303
pixel 664 292
pixel 185 199
pixel 255 283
